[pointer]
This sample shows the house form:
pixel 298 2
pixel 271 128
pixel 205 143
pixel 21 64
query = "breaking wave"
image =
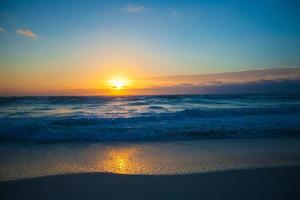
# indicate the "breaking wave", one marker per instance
pixel 51 119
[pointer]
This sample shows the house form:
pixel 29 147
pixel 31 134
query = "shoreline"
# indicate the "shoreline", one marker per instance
pixel 260 183
pixel 23 160
pixel 145 141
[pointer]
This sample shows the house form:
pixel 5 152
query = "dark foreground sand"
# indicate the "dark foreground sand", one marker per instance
pixel 270 183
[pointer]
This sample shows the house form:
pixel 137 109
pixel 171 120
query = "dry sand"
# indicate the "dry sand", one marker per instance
pixel 267 183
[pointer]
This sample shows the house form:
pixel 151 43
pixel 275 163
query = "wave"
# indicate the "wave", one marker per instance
pixel 56 100
pixel 144 100
pixel 148 117
pixel 187 124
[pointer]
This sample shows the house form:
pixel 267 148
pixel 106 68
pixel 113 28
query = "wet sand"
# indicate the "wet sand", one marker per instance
pixel 30 160
pixel 264 183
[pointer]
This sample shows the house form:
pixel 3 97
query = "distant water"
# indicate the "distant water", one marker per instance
pixel 51 119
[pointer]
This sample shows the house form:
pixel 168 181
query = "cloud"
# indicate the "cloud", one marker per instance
pixel 234 77
pixel 173 12
pixel 278 80
pixel 2 29
pixel 130 8
pixel 267 87
pixel 5 16
pixel 26 33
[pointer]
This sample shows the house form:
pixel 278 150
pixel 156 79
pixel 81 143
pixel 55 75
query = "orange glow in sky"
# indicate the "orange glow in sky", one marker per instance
pixel 118 83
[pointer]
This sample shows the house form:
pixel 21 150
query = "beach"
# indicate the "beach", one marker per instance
pixel 149 100
pixel 150 147
pixel 266 168
pixel 21 160
pixel 268 183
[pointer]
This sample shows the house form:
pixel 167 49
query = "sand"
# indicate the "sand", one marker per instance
pixel 30 160
pixel 264 183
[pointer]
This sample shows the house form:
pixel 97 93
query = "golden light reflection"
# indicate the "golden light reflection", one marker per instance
pixel 122 161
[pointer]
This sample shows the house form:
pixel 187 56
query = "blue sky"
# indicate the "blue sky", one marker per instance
pixel 146 38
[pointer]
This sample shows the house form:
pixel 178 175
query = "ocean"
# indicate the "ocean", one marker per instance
pixel 147 118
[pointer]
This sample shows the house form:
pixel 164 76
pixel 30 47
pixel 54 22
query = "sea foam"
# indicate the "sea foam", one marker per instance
pixel 148 117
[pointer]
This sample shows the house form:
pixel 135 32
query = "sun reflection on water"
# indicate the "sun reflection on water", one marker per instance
pixel 122 161
pixel 29 160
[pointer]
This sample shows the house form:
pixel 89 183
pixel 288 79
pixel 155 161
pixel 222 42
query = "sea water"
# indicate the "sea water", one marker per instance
pixel 43 136
pixel 147 118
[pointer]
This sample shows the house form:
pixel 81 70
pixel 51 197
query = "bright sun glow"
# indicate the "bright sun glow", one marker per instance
pixel 118 84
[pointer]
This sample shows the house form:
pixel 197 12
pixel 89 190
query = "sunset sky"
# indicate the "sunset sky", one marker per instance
pixel 77 47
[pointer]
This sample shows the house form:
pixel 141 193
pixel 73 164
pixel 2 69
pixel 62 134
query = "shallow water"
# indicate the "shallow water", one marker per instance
pixel 26 160
pixel 144 118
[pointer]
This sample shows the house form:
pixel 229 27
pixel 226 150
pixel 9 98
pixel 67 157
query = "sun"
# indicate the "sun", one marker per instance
pixel 118 84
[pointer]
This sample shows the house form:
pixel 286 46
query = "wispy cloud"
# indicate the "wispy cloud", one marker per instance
pixel 2 29
pixel 6 16
pixel 173 12
pixel 131 8
pixel 26 33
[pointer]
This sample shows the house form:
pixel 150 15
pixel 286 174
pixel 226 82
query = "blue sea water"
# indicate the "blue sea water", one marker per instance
pixel 144 118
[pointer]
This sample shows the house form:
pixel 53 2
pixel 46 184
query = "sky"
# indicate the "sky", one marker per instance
pixel 47 47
